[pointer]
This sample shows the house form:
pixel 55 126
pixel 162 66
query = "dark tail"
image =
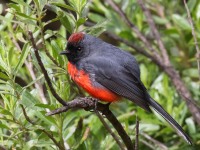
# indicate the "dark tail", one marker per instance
pixel 158 108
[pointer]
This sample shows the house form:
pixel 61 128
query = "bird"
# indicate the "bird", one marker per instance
pixel 109 74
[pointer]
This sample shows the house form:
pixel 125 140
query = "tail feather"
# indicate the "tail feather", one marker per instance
pixel 159 109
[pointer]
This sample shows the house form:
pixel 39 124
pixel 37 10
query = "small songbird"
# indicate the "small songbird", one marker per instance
pixel 109 73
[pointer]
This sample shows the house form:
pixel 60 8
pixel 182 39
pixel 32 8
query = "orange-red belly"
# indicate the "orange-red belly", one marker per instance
pixel 83 80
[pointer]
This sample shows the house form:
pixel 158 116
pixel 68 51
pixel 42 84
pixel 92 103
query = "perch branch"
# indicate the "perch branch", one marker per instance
pixel 88 104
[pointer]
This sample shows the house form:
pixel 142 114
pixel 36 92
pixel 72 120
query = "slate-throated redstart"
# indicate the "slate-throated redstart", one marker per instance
pixel 109 73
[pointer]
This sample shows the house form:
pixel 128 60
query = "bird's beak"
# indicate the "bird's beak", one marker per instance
pixel 65 52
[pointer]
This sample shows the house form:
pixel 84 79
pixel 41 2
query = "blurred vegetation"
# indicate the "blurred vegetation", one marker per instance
pixel 23 123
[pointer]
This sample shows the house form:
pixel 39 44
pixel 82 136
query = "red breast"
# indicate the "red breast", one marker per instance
pixel 82 79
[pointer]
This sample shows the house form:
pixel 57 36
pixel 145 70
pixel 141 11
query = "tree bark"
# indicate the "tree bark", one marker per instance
pixel 183 92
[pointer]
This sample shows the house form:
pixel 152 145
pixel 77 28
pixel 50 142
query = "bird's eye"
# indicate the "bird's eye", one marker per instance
pixel 79 49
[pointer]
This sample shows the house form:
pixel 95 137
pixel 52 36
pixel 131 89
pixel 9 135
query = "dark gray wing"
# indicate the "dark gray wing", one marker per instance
pixel 117 79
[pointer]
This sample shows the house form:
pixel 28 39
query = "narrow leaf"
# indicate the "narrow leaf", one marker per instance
pixel 22 58
pixel 63 6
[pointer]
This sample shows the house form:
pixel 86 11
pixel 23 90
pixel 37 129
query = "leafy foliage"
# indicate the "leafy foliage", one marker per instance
pixel 23 123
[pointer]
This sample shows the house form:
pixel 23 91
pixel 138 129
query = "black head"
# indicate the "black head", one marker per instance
pixel 76 47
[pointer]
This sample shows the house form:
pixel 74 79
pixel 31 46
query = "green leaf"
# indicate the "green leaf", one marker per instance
pixel 191 4
pixel 4 126
pixel 52 8
pixel 21 2
pixel 23 56
pixel 191 72
pixel 149 127
pixel 5 112
pixel 14 6
pixel 47 119
pixel 63 6
pixel 144 74
pixel 80 22
pixel 28 100
pixel 191 125
pixel 41 3
pixel 33 82
pixel 5 20
pixel 97 29
pixel 78 131
pixel 3 76
pixel 69 120
pixel 160 20
pixel 172 32
pixel 25 16
pixel 95 17
pixel 65 20
pixel 45 106
pixel 198 11
pixel 55 47
pixel 20 37
pixel 181 22
pixel 3 65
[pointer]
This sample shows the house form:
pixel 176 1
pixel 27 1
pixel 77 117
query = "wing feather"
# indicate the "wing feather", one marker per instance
pixel 119 80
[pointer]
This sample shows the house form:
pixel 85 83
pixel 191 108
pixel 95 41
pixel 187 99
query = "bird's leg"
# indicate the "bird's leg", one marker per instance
pixel 96 103
pixel 108 104
pixel 106 108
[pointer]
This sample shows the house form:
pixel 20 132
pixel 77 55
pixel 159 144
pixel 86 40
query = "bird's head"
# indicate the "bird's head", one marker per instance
pixel 77 47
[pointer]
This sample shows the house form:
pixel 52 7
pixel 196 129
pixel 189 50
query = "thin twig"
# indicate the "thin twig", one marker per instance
pixel 160 11
pixel 134 28
pixel 44 71
pixel 29 67
pixel 26 116
pixel 53 139
pixel 110 131
pixel 137 134
pixel 154 141
pixel 43 41
pixel 148 144
pixel 155 32
pixel 38 86
pixel 137 48
pixel 43 130
pixel 2 148
pixel 194 36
